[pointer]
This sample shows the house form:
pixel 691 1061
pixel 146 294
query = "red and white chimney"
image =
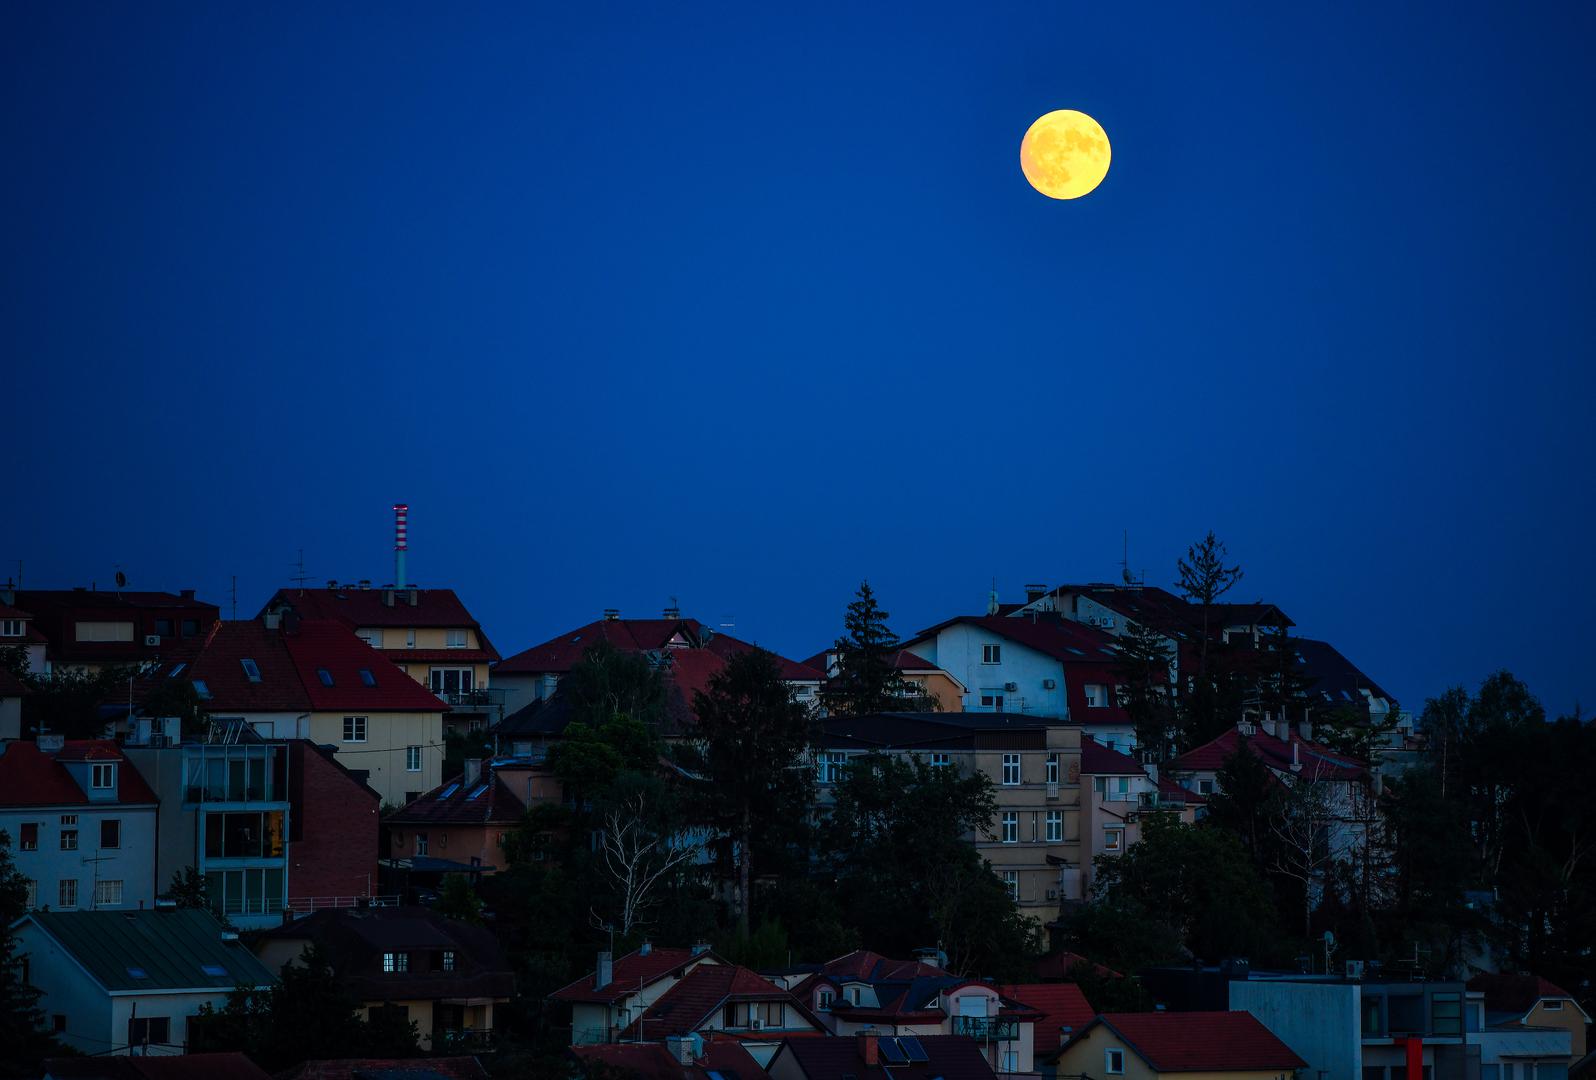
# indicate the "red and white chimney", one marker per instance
pixel 401 514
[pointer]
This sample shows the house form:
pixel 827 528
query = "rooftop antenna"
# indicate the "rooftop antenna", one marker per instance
pixel 300 576
pixel 992 599
pixel 121 581
pixel 235 598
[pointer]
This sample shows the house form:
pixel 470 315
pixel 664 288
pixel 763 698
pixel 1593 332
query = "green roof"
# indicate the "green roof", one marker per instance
pixel 153 949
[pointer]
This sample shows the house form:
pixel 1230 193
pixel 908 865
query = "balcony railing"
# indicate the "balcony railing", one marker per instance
pixel 452 1039
pixel 304 905
pixel 986 1027
pixel 478 700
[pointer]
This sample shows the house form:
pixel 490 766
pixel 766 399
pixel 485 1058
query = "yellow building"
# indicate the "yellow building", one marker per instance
pixel 1190 1045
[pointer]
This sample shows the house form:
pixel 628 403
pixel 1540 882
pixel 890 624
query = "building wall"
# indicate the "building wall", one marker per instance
pixel 940 686
pixel 458 843
pixel 958 650
pixel 1568 1017
pixel 176 1007
pixel 333 845
pixel 68 990
pixel 382 755
pixel 1319 1021
pixel 1088 1057
pixel 132 863
pixel 10 718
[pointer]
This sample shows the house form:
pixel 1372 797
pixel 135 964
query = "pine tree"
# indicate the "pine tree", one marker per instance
pixel 21 1022
pixel 1204 578
pixel 867 679
pixel 1142 670
pixel 1282 684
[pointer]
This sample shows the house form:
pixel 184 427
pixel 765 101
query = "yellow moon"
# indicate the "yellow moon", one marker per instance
pixel 1065 154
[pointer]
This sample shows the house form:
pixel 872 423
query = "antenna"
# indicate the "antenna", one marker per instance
pixel 235 598
pixel 121 580
pixel 300 576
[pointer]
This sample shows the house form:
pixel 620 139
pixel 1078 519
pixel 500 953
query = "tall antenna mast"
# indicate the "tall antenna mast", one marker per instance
pixel 401 542
pixel 300 576
pixel 235 598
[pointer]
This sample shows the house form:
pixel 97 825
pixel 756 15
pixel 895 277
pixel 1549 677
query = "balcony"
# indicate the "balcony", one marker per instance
pixel 991 1028
pixel 480 700
pixel 462 1040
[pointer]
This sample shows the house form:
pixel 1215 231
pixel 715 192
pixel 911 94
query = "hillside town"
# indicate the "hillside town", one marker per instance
pixel 1093 830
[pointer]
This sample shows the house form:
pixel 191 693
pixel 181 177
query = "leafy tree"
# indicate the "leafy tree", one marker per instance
pixel 1353 731
pixel 590 759
pixel 867 679
pixel 67 701
pixel 1124 933
pixel 177 697
pixel 755 740
pixel 21 1022
pixel 1143 688
pixel 1244 789
pixel 1107 992
pixel 1204 578
pixel 458 900
pixel 14 658
pixel 608 683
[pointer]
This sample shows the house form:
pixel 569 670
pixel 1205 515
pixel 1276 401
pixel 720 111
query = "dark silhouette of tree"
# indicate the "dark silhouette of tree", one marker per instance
pixel 867 680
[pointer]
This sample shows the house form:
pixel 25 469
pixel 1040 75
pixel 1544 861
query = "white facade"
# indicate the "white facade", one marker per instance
pixel 1013 678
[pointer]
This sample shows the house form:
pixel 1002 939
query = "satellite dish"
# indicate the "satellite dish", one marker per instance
pixel 1329 937
pixel 121 580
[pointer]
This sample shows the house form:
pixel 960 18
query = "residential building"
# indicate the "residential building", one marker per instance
pixel 685 1058
pixel 1516 1000
pixel 725 1001
pixel 1061 1009
pixel 1117 795
pixel 688 651
pixel 334 822
pixel 924 678
pixel 462 824
pixel 1034 844
pixel 427 633
pixel 82 824
pixel 234 1066
pixel 1148 1046
pixel 12 691
pixel 18 631
pixel 445 976
pixel 872 1056
pixel 90 629
pixel 620 990
pixel 128 982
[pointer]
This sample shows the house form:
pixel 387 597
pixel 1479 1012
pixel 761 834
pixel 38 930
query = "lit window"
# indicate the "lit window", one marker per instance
pixel 412 759
pixel 833 766
pixel 1114 1062
pixel 108 894
pixel 991 654
pixel 1205 787
pixel 395 962
pixel 367 677
pixel 354 729
pixel 1011 770
pixel 1055 826
pixel 251 669
pixel 448 960
pixel 325 676
pixel 372 638
pixel 102 777
pixel 1011 827
pixel 1113 839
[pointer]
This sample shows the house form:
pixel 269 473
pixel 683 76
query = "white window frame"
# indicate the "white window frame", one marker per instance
pixel 1010 826
pixel 1114 838
pixel 355 729
pixel 454 638
pixel 991 654
pixel 105 770
pixel 992 699
pixel 412 759
pixel 371 636
pixel 1055 826
pixel 1052 768
pixel 1012 778
pixel 68 886
pixel 1011 882
pixel 421 843
pixel 107 893
pixel 10 627
pixel 940 761
pixel 1114 1061
pixel 1205 787
pixel 1096 695
pixel 410 639
pixel 823 999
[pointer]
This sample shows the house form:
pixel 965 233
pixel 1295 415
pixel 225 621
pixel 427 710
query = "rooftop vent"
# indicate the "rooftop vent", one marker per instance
pixel 612 614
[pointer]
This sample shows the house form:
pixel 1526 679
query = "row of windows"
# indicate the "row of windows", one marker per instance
pixel 11 627
pixel 1053 831
pixel 832 765
pixel 110 834
pixel 398 963
pixel 452 639
pixel 107 893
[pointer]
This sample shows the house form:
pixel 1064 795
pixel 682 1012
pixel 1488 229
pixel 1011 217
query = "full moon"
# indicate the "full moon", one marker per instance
pixel 1065 154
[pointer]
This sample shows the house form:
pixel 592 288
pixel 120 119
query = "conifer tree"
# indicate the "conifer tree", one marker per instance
pixel 1142 670
pixel 22 1031
pixel 867 679
pixel 1204 578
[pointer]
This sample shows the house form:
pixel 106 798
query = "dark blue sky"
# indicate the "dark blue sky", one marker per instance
pixel 743 305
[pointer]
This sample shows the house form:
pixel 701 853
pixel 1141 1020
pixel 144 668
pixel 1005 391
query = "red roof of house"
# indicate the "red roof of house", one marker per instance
pixel 866 966
pixel 1317 761
pixel 902 660
pixel 654 1061
pixel 630 973
pixel 220 667
pixel 482 801
pixel 233 1065
pixel 1200 1041
pixel 559 654
pixel 318 645
pixel 951 1057
pixel 1515 993
pixel 685 1007
pixel 30 777
pixel 1099 760
pixel 1059 965
pixel 1062 1005
pixel 56 613
pixel 356 608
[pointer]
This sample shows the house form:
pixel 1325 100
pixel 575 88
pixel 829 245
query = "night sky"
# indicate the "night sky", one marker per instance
pixel 743 305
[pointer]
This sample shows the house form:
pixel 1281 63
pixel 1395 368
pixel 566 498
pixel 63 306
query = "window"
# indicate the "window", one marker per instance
pixel 939 761
pixel 69 819
pixel 325 676
pixel 991 654
pixel 354 729
pixel 69 839
pixel 104 631
pixel 1011 827
pixel 367 678
pixel 446 960
pixel 1052 768
pixel 1011 770
pixel 1205 787
pixel 1113 839
pixel 59 1022
pixel 68 894
pixel 108 894
pixel 28 836
pixel 450 680
pixel 190 627
pixel 1096 696
pixel 111 833
pixel 852 994
pixel 412 759
pixel 102 777
pixel 1011 882
pixel 991 699
pixel 1446 1014
pixel 410 639
pixel 1114 1062
pixel 421 843
pixel 833 764
pixel 1011 1061
pixel 251 669
pixel 1552 1006
pixel 824 999
pixel 203 690
pixel 10 627
pixel 370 637
pixel 163 627
pixel 454 639
pixel 395 963
pixel 1055 826
pixel 149 1031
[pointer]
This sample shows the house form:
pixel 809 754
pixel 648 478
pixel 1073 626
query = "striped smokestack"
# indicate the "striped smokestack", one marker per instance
pixel 401 511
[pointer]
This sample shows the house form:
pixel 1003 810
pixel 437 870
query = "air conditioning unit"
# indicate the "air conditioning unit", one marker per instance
pixel 1010 687
pixel 1052 894
pixel 757 1024
pixel 1354 969
pixel 152 640
pixel 1049 684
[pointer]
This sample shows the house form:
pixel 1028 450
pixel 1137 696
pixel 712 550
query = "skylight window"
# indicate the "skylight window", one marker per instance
pixel 367 677
pixel 137 973
pixel 1074 650
pixel 202 690
pixel 325 676
pixel 177 670
pixel 448 791
pixel 477 791
pixel 215 971
pixel 251 669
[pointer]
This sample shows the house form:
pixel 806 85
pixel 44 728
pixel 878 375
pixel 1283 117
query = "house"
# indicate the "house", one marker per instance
pixel 1034 844
pixel 292 678
pixel 82 824
pixel 121 982
pixel 1117 795
pixel 18 631
pixel 234 1066
pixel 427 633
pixel 444 975
pixel 872 1056
pixel 1516 1000
pixel 89 629
pixel 12 691
pixel 677 1058
pixel 725 1001
pixel 1146 1046
pixel 1062 1011
pixel 1043 665
pixel 620 990
pixel 689 652
pixel 465 820
pixel 925 678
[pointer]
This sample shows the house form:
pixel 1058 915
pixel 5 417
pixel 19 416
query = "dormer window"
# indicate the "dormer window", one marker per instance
pixel 10 627
pixel 102 777
pixel 251 669
pixel 201 689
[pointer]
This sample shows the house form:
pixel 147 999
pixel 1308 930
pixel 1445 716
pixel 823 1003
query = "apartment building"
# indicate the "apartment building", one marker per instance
pixel 91 628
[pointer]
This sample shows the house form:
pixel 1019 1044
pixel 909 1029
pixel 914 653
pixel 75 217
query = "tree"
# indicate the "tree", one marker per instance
pixel 755 739
pixel 1308 844
pixel 1244 789
pixel 1282 684
pixel 608 683
pixel 1353 731
pixel 1144 691
pixel 866 679
pixel 1204 578
pixel 21 1022
pixel 640 857
pixel 67 701
pixel 188 889
pixel 458 900
pixel 177 697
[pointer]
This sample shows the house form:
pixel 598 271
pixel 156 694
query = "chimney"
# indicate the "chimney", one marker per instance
pixel 1033 593
pixel 606 971
pixel 1296 756
pixel 645 949
pixel 401 544
pixel 273 618
pixel 869 1046
pixel 473 769
pixel 1268 723
pixel 701 948
pixel 681 1048
pixel 612 614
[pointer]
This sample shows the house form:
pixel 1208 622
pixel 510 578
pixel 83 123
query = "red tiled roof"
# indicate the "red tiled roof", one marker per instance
pixel 1317 761
pixel 233 1065
pixel 1169 789
pixel 685 1007
pixel 558 655
pixel 902 660
pixel 654 1062
pixel 866 966
pixel 1200 1041
pixel 29 777
pixel 452 804
pixel 1515 993
pixel 441 1068
pixel 1059 965
pixel 629 973
pixel 326 644
pixel 356 608
pixel 1099 760
pixel 219 666
pixel 1061 1005
pixel 57 611
pixel 952 1057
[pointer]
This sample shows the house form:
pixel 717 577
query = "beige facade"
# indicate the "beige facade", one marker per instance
pixel 1090 1056
pixel 1561 1013
pixel 1113 810
pixel 396 642
pixel 385 746
pixel 941 686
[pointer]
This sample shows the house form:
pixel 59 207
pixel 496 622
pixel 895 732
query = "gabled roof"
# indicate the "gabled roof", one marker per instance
pixel 951 1057
pixel 356 608
pixel 687 1006
pixel 1060 964
pixel 559 654
pixel 654 1061
pixel 219 665
pixel 30 777
pixel 1099 760
pixel 325 644
pixel 1517 993
pixel 1062 1005
pixel 479 800
pixel 862 965
pixel 631 972
pixel 153 950
pixel 1053 636
pixel 1198 1041
pixel 1333 677
pixel 902 660
pixel 1317 761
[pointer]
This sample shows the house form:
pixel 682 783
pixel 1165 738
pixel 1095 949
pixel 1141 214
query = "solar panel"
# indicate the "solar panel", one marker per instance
pixel 913 1048
pixel 891 1052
